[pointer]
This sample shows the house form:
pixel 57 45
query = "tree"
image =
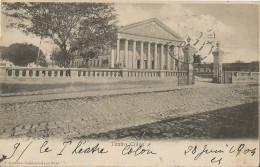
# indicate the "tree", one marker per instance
pixel 42 61
pixel 72 27
pixel 58 58
pixel 197 60
pixel 23 54
pixel 239 62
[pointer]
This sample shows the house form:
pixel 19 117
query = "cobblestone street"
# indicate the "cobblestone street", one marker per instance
pixel 83 117
pixel 233 122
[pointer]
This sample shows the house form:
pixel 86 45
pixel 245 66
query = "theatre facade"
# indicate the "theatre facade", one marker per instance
pixel 144 45
pixel 147 49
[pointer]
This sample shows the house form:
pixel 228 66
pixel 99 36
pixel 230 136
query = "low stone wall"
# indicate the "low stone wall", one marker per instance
pixel 204 74
pixel 239 76
pixel 245 77
pixel 25 72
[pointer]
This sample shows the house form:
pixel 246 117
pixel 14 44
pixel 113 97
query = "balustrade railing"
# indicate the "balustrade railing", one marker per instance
pixel 20 72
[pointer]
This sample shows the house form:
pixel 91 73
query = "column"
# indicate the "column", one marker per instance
pixel 134 55
pixel 117 50
pixel 126 53
pixel 100 63
pixel 162 56
pixel 168 58
pixel 178 62
pixel 112 57
pixel 175 51
pixel 155 57
pixel 93 62
pixel 149 56
pixel 142 56
pixel 89 63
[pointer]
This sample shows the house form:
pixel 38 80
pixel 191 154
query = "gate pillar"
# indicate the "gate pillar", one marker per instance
pixel 189 51
pixel 217 64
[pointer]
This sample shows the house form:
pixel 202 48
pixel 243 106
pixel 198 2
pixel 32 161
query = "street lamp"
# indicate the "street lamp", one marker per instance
pixel 37 62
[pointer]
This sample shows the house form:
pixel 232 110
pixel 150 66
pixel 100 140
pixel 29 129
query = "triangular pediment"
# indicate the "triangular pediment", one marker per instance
pixel 151 28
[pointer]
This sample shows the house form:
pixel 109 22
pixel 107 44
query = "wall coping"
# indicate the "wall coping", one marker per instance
pixel 86 69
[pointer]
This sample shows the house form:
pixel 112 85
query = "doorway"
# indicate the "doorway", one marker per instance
pixel 138 64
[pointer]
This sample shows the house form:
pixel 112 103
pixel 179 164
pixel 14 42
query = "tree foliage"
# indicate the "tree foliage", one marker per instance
pixel 197 59
pixel 239 62
pixel 58 58
pixel 23 54
pixel 81 27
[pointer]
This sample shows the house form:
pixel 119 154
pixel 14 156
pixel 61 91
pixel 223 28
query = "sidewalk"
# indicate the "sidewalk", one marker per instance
pixel 74 95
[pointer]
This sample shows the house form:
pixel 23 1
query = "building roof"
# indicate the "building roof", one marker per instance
pixel 143 27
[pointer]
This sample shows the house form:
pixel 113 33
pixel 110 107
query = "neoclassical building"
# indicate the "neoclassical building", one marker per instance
pixel 143 45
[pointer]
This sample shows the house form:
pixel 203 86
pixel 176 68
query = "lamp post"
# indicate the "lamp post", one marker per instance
pixel 37 62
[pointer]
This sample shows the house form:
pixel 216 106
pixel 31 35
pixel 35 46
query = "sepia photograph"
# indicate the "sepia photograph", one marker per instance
pixel 142 72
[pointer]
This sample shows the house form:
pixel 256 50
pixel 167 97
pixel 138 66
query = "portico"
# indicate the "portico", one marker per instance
pixel 146 45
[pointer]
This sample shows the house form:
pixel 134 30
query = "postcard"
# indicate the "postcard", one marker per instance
pixel 137 83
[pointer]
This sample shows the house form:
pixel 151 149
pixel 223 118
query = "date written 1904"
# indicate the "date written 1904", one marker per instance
pixel 217 154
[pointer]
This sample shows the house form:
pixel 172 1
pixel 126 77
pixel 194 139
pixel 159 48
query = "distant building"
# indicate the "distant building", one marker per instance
pixel 203 67
pixel 5 63
pixel 246 67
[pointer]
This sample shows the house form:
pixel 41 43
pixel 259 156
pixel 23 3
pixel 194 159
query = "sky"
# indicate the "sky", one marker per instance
pixel 235 26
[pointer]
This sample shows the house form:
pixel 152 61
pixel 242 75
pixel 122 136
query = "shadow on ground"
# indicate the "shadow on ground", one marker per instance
pixel 228 123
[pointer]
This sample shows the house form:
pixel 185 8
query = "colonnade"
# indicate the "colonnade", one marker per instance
pixel 150 55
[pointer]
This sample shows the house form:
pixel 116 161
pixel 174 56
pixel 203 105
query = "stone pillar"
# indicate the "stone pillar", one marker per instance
pixel 100 63
pixel 149 56
pixel 155 57
pixel 189 51
pixel 58 73
pixel 162 56
pixel 134 55
pixel 175 52
pixel 124 74
pixel 89 63
pixel 27 73
pixel 74 74
pixel 20 73
pixel 112 58
pixel 178 62
pixel 93 63
pixel 217 64
pixel 33 73
pixel 142 56
pixel 118 50
pixel 168 58
pixel 126 53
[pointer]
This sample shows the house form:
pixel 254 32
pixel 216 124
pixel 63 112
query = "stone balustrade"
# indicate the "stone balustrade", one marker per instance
pixel 25 72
